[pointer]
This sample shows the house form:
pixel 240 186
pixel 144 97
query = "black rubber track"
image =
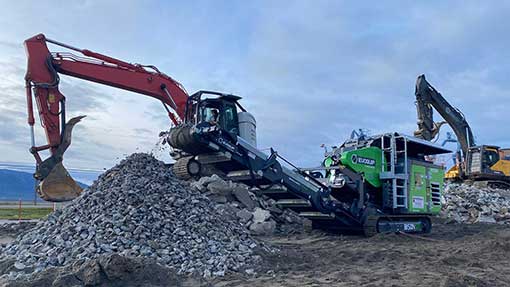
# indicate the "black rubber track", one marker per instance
pixel 180 168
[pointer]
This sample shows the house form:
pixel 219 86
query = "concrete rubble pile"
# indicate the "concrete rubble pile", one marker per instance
pixel 467 203
pixel 15 227
pixel 255 211
pixel 139 209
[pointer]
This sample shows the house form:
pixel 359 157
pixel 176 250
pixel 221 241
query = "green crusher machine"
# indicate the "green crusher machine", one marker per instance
pixel 390 178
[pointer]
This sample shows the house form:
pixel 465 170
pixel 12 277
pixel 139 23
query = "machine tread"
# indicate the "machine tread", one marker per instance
pixel 180 168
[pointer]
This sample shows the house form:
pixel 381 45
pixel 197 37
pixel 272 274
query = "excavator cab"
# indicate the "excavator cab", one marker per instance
pixel 207 108
pixel 211 119
pixel 486 162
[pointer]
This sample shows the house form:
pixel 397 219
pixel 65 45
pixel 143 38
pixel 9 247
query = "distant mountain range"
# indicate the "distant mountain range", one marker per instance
pixel 17 182
pixel 86 176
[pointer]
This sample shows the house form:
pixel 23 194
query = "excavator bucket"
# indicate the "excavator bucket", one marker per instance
pixel 58 186
pixel 55 183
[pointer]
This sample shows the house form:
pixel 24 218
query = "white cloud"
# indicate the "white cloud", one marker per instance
pixel 309 71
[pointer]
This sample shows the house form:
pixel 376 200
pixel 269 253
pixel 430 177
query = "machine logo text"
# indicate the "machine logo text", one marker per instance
pixel 362 160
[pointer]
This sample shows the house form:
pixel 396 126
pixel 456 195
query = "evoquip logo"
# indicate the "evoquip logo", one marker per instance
pixel 362 160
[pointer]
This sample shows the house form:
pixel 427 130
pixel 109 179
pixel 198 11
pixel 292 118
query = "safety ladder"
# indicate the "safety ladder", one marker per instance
pixel 395 171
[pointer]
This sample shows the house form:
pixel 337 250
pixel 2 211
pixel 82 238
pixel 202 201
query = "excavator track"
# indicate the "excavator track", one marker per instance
pixel 181 168
pixel 499 184
pixel 188 167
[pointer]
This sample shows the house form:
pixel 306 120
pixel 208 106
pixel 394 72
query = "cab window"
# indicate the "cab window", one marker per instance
pixel 209 115
pixel 506 154
pixel 230 119
pixel 491 157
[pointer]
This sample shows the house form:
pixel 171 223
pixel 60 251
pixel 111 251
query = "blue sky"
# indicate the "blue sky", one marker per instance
pixel 310 71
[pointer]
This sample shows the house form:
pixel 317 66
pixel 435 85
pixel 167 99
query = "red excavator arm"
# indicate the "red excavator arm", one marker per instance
pixel 42 80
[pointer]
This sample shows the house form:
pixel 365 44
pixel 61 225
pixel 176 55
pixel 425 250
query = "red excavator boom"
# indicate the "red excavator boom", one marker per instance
pixel 42 83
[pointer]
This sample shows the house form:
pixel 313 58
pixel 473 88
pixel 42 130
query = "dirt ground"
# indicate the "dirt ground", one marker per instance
pixel 452 255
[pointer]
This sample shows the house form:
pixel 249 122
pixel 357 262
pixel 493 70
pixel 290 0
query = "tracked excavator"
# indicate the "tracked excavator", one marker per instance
pixel 485 164
pixel 378 184
pixel 42 85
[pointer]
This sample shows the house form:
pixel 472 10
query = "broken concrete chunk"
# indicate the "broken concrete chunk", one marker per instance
pixel 218 198
pixel 244 215
pixel 242 195
pixel 220 187
pixel 263 228
pixel 198 186
pixel 260 215
pixel 204 181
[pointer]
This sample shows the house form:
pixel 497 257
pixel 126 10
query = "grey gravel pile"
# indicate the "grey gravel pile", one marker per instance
pixel 14 228
pixel 257 212
pixel 466 203
pixel 139 209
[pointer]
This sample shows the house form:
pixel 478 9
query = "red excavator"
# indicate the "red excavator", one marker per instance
pixel 42 84
pixel 199 114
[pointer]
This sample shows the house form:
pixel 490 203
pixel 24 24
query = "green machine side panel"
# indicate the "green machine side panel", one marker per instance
pixel 367 161
pixel 418 199
pixel 426 183
pixel 436 175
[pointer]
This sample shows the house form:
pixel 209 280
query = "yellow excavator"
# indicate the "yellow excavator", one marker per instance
pixel 486 164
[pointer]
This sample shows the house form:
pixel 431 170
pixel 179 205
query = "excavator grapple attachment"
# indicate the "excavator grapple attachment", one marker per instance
pixel 55 183
pixel 58 186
